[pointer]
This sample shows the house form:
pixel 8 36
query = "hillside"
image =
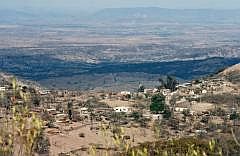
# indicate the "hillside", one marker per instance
pixel 232 73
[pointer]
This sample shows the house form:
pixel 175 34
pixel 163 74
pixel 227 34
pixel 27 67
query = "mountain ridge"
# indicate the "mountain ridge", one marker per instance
pixel 170 15
pixel 117 14
pixel 232 74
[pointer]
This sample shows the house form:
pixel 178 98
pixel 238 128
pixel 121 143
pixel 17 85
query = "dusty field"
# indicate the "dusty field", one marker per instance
pixel 117 103
pixel 70 141
pixel 200 107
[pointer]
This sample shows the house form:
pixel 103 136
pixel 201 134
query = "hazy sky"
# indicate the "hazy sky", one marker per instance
pixel 92 5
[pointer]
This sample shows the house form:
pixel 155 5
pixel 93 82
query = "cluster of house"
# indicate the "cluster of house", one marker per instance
pixel 188 111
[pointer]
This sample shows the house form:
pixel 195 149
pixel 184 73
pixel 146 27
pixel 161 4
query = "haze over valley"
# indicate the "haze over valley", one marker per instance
pixel 119 78
pixel 125 45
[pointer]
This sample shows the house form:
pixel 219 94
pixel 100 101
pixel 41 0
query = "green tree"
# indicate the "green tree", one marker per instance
pixel 70 108
pixel 136 115
pixel 234 116
pixel 157 103
pixel 167 113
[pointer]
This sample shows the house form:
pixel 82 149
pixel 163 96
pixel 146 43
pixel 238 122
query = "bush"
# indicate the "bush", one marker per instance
pixel 157 103
pixel 27 131
pixel 183 146
pixel 81 135
pixel 136 115
pixel 234 116
pixel 42 145
pixel 50 123
pixel 167 114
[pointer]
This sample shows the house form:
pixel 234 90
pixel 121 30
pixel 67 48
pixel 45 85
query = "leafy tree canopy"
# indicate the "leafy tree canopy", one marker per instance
pixel 157 103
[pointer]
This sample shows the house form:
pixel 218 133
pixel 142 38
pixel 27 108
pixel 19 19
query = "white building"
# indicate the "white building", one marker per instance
pixel 155 90
pixel 2 88
pixel 122 109
pixel 204 91
pixel 182 105
pixel 166 92
pixel 157 116
pixel 148 91
pixel 44 92
pixel 180 109
pixel 125 93
pixel 191 92
pixel 83 111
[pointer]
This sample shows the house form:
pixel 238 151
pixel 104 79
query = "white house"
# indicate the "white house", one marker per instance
pixel 84 111
pixel 125 93
pixel 200 132
pixel 180 109
pixel 182 105
pixel 61 118
pixel 191 92
pixel 52 111
pixel 148 91
pixel 204 91
pixel 2 88
pixel 44 92
pixel 155 90
pixel 157 116
pixel 122 109
pixel 165 92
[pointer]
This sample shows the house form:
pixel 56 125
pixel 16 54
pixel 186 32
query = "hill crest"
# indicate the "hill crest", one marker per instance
pixel 232 74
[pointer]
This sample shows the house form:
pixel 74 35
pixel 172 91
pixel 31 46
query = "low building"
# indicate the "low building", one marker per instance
pixel 125 93
pixel 182 105
pixel 191 92
pixel 52 111
pixel 155 90
pixel 204 91
pixel 148 91
pixel 165 92
pixel 122 109
pixel 44 92
pixel 180 109
pixel 200 132
pixel 157 116
pixel 61 118
pixel 83 111
pixel 2 88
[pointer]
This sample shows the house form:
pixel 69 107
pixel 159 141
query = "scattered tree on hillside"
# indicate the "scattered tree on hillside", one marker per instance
pixel 167 113
pixel 136 115
pixel 42 144
pixel 234 116
pixel 157 103
pixel 70 105
pixel 169 83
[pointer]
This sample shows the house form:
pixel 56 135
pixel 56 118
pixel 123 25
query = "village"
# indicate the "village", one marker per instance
pixel 78 120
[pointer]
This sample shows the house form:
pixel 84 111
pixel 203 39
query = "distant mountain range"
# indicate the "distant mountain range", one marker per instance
pixel 44 16
pixel 121 46
pixel 147 14
pixel 169 15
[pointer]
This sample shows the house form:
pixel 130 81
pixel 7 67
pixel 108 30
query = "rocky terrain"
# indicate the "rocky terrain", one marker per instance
pixel 232 74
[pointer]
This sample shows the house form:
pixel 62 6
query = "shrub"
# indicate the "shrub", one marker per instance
pixel 157 103
pixel 81 135
pixel 42 145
